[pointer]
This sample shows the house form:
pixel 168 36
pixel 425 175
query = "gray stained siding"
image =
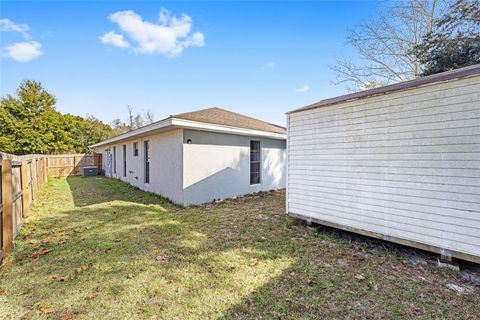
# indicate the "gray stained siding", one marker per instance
pixel 404 165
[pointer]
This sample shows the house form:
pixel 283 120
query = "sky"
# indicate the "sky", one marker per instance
pixel 260 59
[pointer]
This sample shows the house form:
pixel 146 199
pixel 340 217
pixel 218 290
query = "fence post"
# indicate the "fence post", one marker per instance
pixel 25 190
pixel 7 222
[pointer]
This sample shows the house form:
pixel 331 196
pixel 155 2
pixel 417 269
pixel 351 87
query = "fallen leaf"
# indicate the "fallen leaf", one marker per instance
pixel 359 277
pixel 40 252
pixel 67 315
pixel 2 290
pixel 117 240
pixel 57 277
pixel 63 240
pixel 130 276
pixel 89 297
pixel 84 268
pixel 44 308
pixel 161 258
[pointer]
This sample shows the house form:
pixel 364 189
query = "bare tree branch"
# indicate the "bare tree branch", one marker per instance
pixel 385 44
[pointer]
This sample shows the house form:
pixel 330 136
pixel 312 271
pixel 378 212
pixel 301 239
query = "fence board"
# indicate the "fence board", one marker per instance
pixel 71 164
pixel 7 221
pixel 25 189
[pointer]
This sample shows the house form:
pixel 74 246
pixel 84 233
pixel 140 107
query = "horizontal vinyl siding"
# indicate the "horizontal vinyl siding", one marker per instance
pixel 404 165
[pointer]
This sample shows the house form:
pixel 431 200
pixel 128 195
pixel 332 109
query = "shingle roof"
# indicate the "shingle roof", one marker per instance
pixel 218 120
pixel 439 77
pixel 230 119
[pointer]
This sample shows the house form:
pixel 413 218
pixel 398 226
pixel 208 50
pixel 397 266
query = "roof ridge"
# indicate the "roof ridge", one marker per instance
pixel 231 112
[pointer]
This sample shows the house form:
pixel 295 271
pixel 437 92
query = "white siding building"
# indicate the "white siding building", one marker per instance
pixel 197 157
pixel 400 163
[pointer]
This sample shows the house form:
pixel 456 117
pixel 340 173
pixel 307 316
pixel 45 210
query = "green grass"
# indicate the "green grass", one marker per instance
pixel 140 257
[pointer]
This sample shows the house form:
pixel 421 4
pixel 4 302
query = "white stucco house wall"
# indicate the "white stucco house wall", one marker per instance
pixel 400 163
pixel 200 156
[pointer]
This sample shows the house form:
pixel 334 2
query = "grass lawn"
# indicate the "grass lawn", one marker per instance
pixel 99 248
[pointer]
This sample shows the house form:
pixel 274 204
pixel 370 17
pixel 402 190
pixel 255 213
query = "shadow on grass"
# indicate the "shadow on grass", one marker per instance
pixel 243 259
pixel 88 191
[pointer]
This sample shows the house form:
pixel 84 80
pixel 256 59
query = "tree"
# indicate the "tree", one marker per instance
pixel 135 121
pixel 456 41
pixel 87 131
pixel 385 45
pixel 29 123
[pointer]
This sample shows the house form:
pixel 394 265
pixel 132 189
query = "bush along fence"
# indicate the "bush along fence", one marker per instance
pixel 22 178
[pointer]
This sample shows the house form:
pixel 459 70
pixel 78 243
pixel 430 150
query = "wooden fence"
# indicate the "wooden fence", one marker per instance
pixel 21 179
pixel 64 165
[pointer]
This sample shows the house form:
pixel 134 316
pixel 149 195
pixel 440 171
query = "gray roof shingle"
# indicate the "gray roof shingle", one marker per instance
pixel 230 119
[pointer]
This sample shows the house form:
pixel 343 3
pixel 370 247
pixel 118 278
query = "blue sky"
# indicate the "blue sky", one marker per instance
pixel 261 59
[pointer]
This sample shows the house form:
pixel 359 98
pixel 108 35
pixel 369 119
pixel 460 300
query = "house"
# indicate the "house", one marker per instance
pixel 200 156
pixel 400 163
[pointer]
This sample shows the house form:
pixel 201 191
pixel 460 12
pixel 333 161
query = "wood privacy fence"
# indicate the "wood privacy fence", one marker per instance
pixel 21 179
pixel 64 165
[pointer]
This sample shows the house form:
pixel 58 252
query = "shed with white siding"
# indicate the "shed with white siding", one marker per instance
pixel 400 163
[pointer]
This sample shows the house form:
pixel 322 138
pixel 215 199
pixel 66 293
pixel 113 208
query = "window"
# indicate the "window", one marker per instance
pixel 114 159
pixel 147 161
pixel 254 162
pixel 124 160
pixel 135 149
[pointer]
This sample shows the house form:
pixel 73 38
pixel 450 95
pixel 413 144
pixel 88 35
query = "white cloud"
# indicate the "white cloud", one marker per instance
pixel 7 25
pixel 304 88
pixel 20 51
pixel 114 39
pixel 24 51
pixel 268 65
pixel 170 36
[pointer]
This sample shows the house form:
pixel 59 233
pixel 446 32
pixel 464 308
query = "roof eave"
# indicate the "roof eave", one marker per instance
pixel 188 124
pixel 204 126
pixel 134 133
